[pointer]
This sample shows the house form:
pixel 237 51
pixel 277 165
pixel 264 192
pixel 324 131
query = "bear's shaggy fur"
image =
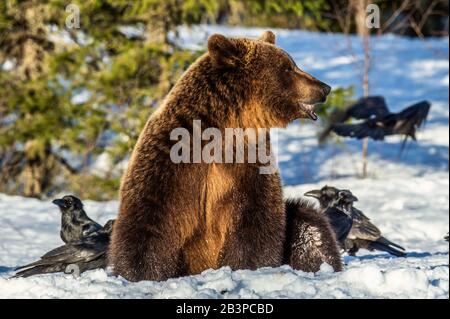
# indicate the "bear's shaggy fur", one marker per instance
pixel 310 240
pixel 180 219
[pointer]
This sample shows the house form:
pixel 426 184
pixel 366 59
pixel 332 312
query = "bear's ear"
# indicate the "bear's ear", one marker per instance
pixel 223 51
pixel 268 36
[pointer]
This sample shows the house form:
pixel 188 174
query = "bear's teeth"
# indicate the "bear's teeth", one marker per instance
pixel 309 110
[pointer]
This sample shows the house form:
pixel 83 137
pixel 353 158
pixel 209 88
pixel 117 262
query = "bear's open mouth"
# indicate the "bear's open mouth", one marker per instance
pixel 309 110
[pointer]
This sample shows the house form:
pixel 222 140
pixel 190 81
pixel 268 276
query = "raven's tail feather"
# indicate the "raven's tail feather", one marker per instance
pixel 384 247
pixel 386 241
pixel 38 270
pixel 33 264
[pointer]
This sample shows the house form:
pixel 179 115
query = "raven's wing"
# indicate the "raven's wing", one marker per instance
pixel 338 116
pixel 109 225
pixel 101 234
pixel 370 128
pixel 340 222
pixel 61 250
pixel 371 107
pixel 90 229
pixel 90 226
pixel 411 118
pixel 358 214
pixel 96 263
pixel 362 227
pixel 368 107
pixel 69 254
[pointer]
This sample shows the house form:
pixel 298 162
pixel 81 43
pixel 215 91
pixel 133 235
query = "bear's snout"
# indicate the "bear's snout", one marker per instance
pixel 314 90
pixel 319 92
pixel 326 89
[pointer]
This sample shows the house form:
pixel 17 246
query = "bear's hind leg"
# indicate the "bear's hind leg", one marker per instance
pixel 310 241
pixel 258 242
pixel 141 254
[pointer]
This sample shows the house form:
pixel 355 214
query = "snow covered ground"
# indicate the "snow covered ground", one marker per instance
pixel 407 196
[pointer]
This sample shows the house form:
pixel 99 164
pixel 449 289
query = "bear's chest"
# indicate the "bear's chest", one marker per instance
pixel 228 196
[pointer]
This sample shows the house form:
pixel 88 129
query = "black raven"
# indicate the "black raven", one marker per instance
pixel 377 120
pixel 338 208
pixel 363 233
pixel 339 213
pixel 75 224
pixel 86 254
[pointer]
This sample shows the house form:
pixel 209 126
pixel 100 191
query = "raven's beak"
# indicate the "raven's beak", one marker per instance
pixel 314 193
pixel 58 202
pixel 349 197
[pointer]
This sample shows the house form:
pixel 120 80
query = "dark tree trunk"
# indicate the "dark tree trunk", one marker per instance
pixel 38 171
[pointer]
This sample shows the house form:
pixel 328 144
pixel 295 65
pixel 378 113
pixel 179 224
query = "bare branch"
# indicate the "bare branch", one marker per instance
pixel 395 15
pixel 65 163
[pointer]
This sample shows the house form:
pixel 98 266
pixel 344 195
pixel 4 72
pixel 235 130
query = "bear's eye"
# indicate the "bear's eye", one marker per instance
pixel 289 69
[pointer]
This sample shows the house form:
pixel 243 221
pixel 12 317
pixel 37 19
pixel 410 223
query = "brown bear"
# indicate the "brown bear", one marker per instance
pixel 179 219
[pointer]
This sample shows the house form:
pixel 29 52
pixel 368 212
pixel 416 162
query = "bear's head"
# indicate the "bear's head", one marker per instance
pixel 277 90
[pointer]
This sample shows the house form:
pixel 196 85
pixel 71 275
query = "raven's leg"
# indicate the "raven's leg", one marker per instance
pixel 310 241
pixel 354 249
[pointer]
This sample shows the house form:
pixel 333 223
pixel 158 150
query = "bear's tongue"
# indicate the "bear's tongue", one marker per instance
pixel 309 110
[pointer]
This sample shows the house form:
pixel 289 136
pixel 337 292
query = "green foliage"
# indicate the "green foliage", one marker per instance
pixel 281 13
pixel 338 100
pixel 121 79
pixel 78 93
pixel 93 186
pixel 73 94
